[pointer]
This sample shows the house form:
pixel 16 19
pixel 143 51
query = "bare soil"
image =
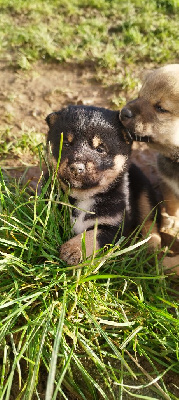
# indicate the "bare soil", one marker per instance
pixel 30 96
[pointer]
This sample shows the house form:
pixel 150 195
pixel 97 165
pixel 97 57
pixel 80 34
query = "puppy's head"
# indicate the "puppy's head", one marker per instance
pixel 94 151
pixel 154 115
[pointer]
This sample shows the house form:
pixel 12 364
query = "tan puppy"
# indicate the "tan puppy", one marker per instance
pixel 154 117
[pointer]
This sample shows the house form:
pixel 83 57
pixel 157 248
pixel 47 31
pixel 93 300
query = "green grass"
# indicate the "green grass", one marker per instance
pixel 84 329
pixel 110 34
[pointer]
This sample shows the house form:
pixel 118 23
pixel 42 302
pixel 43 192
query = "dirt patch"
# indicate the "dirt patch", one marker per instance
pixel 27 97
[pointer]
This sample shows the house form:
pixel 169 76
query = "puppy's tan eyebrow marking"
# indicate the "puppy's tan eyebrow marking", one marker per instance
pixel 70 137
pixel 96 141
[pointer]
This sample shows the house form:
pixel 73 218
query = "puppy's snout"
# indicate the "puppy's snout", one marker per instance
pixel 77 168
pixel 126 113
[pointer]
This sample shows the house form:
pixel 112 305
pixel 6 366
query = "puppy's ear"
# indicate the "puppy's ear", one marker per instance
pixel 51 119
pixel 144 74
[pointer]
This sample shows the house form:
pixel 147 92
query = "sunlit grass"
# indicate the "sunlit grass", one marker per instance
pixel 110 34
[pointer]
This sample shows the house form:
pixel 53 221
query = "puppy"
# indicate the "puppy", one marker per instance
pixel 154 117
pixel 95 170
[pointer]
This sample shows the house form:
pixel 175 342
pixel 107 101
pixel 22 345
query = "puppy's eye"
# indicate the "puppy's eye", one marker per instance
pixel 160 109
pixel 100 149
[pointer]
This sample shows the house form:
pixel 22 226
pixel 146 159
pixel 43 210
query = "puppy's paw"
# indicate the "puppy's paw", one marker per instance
pixel 71 251
pixel 170 222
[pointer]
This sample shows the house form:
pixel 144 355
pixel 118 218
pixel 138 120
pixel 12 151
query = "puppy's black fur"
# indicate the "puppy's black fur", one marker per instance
pixel 95 169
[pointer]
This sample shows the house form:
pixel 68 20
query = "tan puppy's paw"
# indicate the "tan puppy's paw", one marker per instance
pixel 170 222
pixel 167 221
pixel 71 251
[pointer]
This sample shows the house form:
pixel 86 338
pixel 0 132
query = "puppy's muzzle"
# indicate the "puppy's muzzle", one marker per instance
pixel 77 168
pixel 126 116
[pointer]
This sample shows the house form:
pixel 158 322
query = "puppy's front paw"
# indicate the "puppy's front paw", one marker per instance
pixel 170 225
pixel 170 221
pixel 71 252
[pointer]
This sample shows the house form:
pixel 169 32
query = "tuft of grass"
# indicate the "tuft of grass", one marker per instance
pixel 104 329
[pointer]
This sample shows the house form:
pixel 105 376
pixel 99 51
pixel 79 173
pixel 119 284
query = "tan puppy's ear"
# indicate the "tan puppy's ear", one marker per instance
pixel 144 74
pixel 51 118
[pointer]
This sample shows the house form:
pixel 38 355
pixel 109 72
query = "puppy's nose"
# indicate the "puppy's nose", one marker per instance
pixel 77 168
pixel 126 113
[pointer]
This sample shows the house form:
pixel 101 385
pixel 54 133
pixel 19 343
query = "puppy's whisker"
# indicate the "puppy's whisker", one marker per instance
pixel 129 134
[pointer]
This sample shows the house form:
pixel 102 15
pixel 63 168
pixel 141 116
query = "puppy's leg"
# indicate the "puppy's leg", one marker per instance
pixel 170 217
pixel 171 264
pixel 145 210
pixel 71 251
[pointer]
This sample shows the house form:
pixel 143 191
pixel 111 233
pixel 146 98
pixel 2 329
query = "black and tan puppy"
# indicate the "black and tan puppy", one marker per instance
pixel 95 170
pixel 154 117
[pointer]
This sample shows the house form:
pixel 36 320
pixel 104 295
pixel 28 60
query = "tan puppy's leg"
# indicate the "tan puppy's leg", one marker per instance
pixel 170 221
pixel 155 239
pixel 71 251
pixel 145 210
pixel 170 218
pixel 171 264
